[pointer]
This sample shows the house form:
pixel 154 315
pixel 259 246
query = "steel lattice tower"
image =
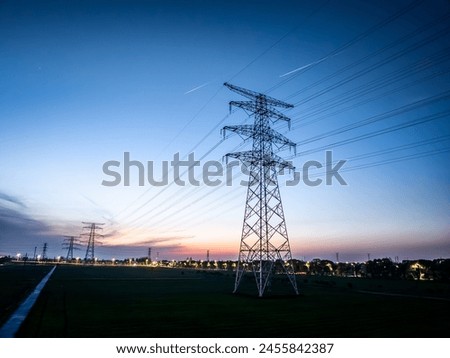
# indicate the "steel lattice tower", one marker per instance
pixel 44 251
pixel 90 251
pixel 264 246
pixel 71 243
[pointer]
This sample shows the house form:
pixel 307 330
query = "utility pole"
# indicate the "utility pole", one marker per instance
pixel 93 235
pixel 337 257
pixel 264 244
pixel 71 243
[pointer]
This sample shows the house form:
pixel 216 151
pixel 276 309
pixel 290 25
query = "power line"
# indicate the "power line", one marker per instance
pixel 372 55
pixel 375 133
pixel 373 119
pixel 386 161
pixel 378 64
pixel 313 13
pixel 391 150
pixel 381 82
pixel 173 197
pixel 418 121
pixel 303 123
pixel 143 194
pixel 356 39
pixel 203 137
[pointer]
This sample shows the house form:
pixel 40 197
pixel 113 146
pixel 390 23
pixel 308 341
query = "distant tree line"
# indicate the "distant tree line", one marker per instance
pixel 385 268
pixel 438 269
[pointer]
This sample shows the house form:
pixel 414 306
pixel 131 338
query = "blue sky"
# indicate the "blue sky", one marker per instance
pixel 83 82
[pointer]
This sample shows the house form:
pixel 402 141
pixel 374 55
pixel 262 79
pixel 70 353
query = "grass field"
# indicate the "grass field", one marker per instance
pixel 17 282
pixel 145 302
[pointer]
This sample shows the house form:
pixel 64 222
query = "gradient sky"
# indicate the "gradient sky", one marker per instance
pixel 83 82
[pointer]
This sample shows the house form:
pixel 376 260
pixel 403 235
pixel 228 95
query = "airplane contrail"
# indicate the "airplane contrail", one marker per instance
pixel 197 88
pixel 308 65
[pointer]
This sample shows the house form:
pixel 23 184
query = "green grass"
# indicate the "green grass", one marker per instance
pixel 143 302
pixel 17 282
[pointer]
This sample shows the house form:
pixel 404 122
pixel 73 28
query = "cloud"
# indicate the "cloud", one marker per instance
pixel 169 247
pixel 11 199
pixel 144 242
pixel 158 241
pixel 12 222
pixel 21 233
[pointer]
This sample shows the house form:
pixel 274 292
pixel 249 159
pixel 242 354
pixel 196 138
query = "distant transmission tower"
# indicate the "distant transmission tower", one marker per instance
pixel 93 235
pixel 44 251
pixel 264 242
pixel 71 243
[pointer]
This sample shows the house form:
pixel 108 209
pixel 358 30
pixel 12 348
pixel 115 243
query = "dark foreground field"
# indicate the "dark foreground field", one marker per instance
pixel 145 302
pixel 17 282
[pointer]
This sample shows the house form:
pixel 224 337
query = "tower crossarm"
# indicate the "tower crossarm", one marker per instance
pixel 280 139
pixel 247 130
pixel 97 226
pixel 255 95
pixel 255 108
pixel 281 163
pixel 251 157
pixel 250 131
pixel 247 157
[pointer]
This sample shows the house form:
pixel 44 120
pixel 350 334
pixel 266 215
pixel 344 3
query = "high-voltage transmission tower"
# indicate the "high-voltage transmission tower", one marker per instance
pixel 92 241
pixel 71 243
pixel 264 245
pixel 44 251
